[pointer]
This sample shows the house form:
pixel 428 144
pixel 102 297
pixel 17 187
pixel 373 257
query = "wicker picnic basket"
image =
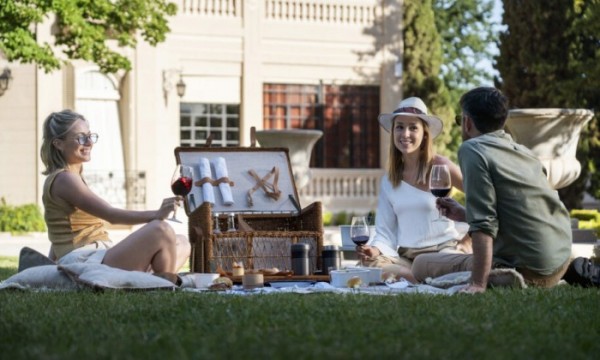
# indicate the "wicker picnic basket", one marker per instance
pixel 266 227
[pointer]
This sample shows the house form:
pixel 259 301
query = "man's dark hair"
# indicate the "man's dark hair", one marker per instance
pixel 487 107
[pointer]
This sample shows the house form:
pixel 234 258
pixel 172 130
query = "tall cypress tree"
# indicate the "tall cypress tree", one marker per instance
pixel 534 53
pixel 422 62
pixel 541 59
pixel 585 88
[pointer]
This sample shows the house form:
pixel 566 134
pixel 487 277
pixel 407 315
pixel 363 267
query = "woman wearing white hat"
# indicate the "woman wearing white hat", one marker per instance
pixel 406 211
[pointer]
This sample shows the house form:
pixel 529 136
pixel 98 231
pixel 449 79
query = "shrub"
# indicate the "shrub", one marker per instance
pixel 586 214
pixel 590 225
pixel 327 218
pixel 21 219
pixel 588 219
pixel 342 218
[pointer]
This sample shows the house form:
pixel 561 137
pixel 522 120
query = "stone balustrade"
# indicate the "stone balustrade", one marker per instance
pixel 352 12
pixel 350 190
pixel 216 8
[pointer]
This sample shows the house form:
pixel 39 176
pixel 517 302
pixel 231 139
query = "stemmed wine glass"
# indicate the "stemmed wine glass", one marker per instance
pixel 359 232
pixel 440 184
pixel 181 183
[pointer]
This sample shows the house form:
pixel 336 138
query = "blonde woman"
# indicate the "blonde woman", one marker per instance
pixel 406 210
pixel 76 217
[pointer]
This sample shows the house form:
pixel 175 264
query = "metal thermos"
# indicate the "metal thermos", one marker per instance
pixel 300 263
pixel 332 259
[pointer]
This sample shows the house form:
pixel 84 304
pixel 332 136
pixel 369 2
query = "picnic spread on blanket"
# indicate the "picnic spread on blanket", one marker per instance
pixel 44 275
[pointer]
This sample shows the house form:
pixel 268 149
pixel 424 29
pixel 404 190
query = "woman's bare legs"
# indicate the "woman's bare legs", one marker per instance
pixel 154 244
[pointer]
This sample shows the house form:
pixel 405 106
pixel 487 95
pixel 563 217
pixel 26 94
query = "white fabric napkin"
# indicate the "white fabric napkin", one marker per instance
pixel 221 171
pixel 208 194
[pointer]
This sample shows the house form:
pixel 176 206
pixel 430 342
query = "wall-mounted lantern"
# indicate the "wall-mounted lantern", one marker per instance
pixel 5 79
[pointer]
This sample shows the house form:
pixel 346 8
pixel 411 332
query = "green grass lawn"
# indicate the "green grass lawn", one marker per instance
pixel 561 323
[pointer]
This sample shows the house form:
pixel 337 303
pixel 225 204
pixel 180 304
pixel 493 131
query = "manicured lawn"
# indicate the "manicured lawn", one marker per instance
pixel 561 323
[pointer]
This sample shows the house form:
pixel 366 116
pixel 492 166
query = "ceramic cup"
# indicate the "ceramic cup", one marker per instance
pixel 253 281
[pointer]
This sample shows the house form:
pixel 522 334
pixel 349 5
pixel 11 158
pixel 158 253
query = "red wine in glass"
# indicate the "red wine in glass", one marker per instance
pixel 182 186
pixel 440 184
pixel 440 192
pixel 359 231
pixel 181 183
pixel 360 240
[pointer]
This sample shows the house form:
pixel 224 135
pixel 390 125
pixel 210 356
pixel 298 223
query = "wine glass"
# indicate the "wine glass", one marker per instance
pixel 440 184
pixel 181 183
pixel 359 232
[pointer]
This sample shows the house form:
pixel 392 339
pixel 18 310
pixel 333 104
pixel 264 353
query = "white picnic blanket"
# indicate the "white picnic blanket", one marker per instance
pixel 402 287
pixel 98 276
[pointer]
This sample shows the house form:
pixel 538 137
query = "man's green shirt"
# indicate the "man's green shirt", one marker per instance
pixel 509 198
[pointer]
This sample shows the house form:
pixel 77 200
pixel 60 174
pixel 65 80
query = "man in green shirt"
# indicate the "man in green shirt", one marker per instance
pixel 516 219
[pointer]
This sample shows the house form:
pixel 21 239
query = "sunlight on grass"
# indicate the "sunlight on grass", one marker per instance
pixel 524 323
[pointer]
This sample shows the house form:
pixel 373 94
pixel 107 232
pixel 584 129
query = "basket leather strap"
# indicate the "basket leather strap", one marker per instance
pixel 270 189
pixel 205 180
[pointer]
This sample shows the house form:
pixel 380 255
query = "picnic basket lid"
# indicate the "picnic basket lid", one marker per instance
pixel 241 163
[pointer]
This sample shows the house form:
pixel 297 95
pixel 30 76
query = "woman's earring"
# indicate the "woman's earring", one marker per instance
pixel 56 144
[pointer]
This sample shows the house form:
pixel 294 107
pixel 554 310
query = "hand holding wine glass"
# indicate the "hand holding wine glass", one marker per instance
pixel 181 183
pixel 359 231
pixel 440 184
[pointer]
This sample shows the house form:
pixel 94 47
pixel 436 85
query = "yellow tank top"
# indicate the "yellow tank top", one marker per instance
pixel 69 227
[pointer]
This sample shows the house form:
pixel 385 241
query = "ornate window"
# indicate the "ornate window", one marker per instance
pixel 198 121
pixel 347 115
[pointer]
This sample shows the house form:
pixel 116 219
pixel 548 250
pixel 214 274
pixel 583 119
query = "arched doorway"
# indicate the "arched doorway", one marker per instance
pixel 97 97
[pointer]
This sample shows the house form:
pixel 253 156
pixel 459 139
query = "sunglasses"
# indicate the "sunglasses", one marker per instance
pixel 458 119
pixel 84 139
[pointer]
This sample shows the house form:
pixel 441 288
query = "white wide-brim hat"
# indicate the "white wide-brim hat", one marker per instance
pixel 412 107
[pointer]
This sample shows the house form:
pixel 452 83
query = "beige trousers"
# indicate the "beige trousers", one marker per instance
pixel 406 256
pixel 438 264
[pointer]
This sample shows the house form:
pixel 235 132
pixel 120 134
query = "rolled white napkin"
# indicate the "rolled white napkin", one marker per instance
pixel 208 194
pixel 220 172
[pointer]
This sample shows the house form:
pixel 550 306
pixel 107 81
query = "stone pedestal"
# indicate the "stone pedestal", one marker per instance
pixel 299 142
pixel 552 134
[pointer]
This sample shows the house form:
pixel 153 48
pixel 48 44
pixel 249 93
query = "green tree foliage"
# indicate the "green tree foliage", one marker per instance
pixel 585 86
pixel 534 56
pixel 422 65
pixel 467 32
pixel 549 58
pixel 82 29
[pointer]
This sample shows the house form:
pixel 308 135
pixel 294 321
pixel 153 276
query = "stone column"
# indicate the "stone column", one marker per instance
pixel 392 53
pixel 251 111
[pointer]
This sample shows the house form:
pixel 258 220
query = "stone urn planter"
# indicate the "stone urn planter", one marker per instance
pixel 552 134
pixel 299 142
